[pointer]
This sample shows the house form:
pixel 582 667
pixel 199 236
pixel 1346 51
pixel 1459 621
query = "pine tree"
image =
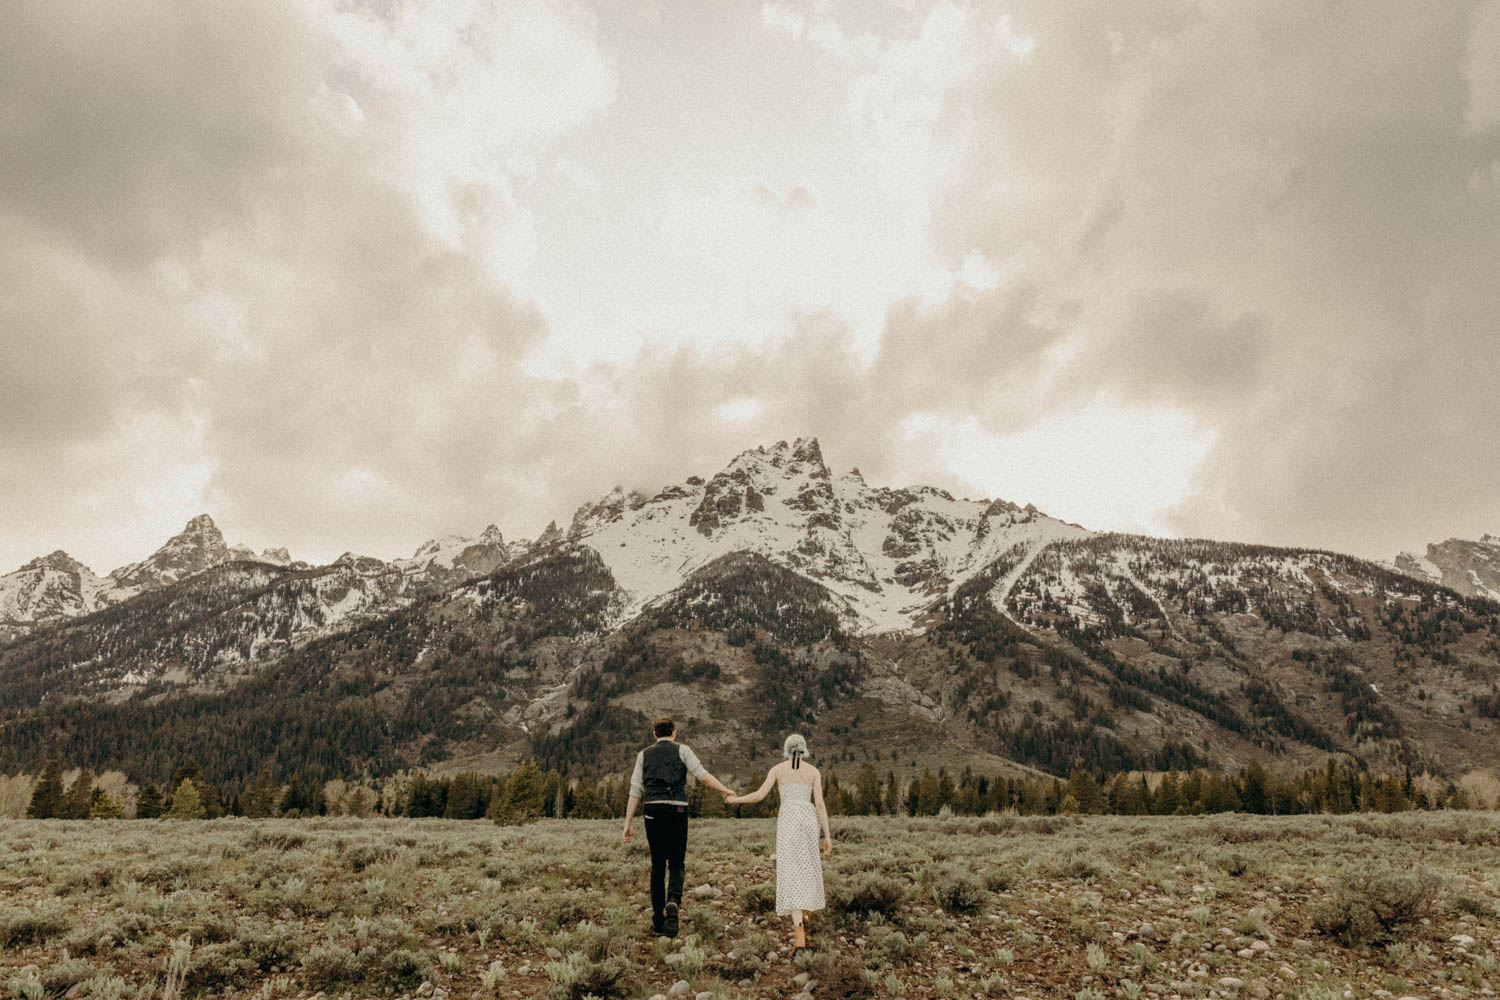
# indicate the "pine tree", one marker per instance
pixel 105 806
pixel 259 800
pixel 525 797
pixel 47 799
pixel 866 792
pixel 80 795
pixel 148 805
pixel 185 802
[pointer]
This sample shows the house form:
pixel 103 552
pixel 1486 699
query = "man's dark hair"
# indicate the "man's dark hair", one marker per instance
pixel 663 727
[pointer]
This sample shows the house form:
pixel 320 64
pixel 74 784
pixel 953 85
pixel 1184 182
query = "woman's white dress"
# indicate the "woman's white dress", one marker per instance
pixel 799 869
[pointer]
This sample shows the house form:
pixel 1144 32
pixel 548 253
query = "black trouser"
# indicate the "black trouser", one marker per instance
pixel 666 832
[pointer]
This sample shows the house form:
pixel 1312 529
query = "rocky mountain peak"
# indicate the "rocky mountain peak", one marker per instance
pixel 610 507
pixel 1470 567
pixel 58 560
pixel 802 457
pixel 199 546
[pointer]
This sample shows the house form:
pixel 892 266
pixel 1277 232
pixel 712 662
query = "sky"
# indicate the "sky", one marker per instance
pixel 349 275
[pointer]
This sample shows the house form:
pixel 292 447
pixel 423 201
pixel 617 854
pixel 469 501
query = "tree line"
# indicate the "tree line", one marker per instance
pixel 530 793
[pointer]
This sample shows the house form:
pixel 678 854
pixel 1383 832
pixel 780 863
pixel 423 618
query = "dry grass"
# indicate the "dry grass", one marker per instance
pixel 997 907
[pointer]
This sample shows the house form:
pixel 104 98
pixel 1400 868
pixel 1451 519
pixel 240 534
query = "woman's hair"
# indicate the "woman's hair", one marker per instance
pixel 795 748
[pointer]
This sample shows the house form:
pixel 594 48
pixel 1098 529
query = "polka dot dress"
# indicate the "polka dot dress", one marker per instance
pixel 799 869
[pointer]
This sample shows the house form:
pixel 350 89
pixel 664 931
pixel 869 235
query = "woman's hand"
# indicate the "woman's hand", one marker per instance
pixel 827 846
pixel 731 799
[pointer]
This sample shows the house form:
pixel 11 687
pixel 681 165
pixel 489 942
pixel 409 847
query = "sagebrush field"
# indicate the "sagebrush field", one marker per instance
pixel 1235 906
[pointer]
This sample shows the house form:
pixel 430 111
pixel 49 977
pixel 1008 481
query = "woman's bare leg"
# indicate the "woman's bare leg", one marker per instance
pixel 799 932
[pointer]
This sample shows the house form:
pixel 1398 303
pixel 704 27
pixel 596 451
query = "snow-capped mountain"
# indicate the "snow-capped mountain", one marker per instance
pixel 48 588
pixel 1469 567
pixel 888 554
pixel 774 593
pixel 197 547
pixel 57 587
pixel 445 562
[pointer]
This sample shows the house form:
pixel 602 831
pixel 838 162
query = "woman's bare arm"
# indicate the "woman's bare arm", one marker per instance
pixel 758 794
pixel 822 812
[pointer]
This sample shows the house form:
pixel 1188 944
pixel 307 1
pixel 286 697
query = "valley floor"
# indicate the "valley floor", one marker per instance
pixel 1230 906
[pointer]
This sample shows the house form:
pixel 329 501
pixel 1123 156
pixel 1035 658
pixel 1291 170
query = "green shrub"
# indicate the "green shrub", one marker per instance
pixel 867 894
pixel 57 979
pixel 328 965
pixel 407 968
pixel 26 986
pixel 277 840
pixel 267 945
pixel 759 898
pixel 956 890
pixel 31 926
pixel 840 975
pixel 1373 903
pixel 998 879
pixel 895 948
pixel 361 856
pixel 576 977
pixel 566 910
pixel 746 956
pixel 108 934
pixel 217 965
pixel 1476 905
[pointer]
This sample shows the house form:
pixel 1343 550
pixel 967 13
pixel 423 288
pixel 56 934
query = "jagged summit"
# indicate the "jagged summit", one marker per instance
pixel 199 546
pixel 886 553
pixel 1469 567
pixel 443 562
pixel 58 560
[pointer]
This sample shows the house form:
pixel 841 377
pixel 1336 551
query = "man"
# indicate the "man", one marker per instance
pixel 660 779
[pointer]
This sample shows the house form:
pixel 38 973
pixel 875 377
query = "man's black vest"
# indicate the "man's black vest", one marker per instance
pixel 663 773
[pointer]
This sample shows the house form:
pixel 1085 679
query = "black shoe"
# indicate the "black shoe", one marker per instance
pixel 656 928
pixel 669 925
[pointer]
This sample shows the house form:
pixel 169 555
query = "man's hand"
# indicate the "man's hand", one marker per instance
pixel 628 834
pixel 729 797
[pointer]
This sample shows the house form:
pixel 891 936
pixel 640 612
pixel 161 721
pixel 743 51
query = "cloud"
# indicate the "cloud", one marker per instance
pixel 252 264
pixel 1483 109
pixel 350 276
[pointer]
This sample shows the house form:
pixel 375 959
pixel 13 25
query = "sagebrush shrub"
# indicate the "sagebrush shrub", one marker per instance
pixel 998 879
pixel 405 967
pixel 576 977
pixel 956 890
pixel 214 966
pixel 22 927
pixel 895 948
pixel 65 974
pixel 1376 902
pixel 746 956
pixel 867 894
pixel 329 964
pixel 840 975
pixel 759 898
pixel 567 909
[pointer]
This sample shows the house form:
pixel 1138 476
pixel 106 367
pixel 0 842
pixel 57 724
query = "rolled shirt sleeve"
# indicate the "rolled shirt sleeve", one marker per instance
pixel 637 783
pixel 695 768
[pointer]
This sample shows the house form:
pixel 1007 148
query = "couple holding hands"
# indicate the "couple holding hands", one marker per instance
pixel 658 787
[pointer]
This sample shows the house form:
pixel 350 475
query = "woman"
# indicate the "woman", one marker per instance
pixel 799 873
